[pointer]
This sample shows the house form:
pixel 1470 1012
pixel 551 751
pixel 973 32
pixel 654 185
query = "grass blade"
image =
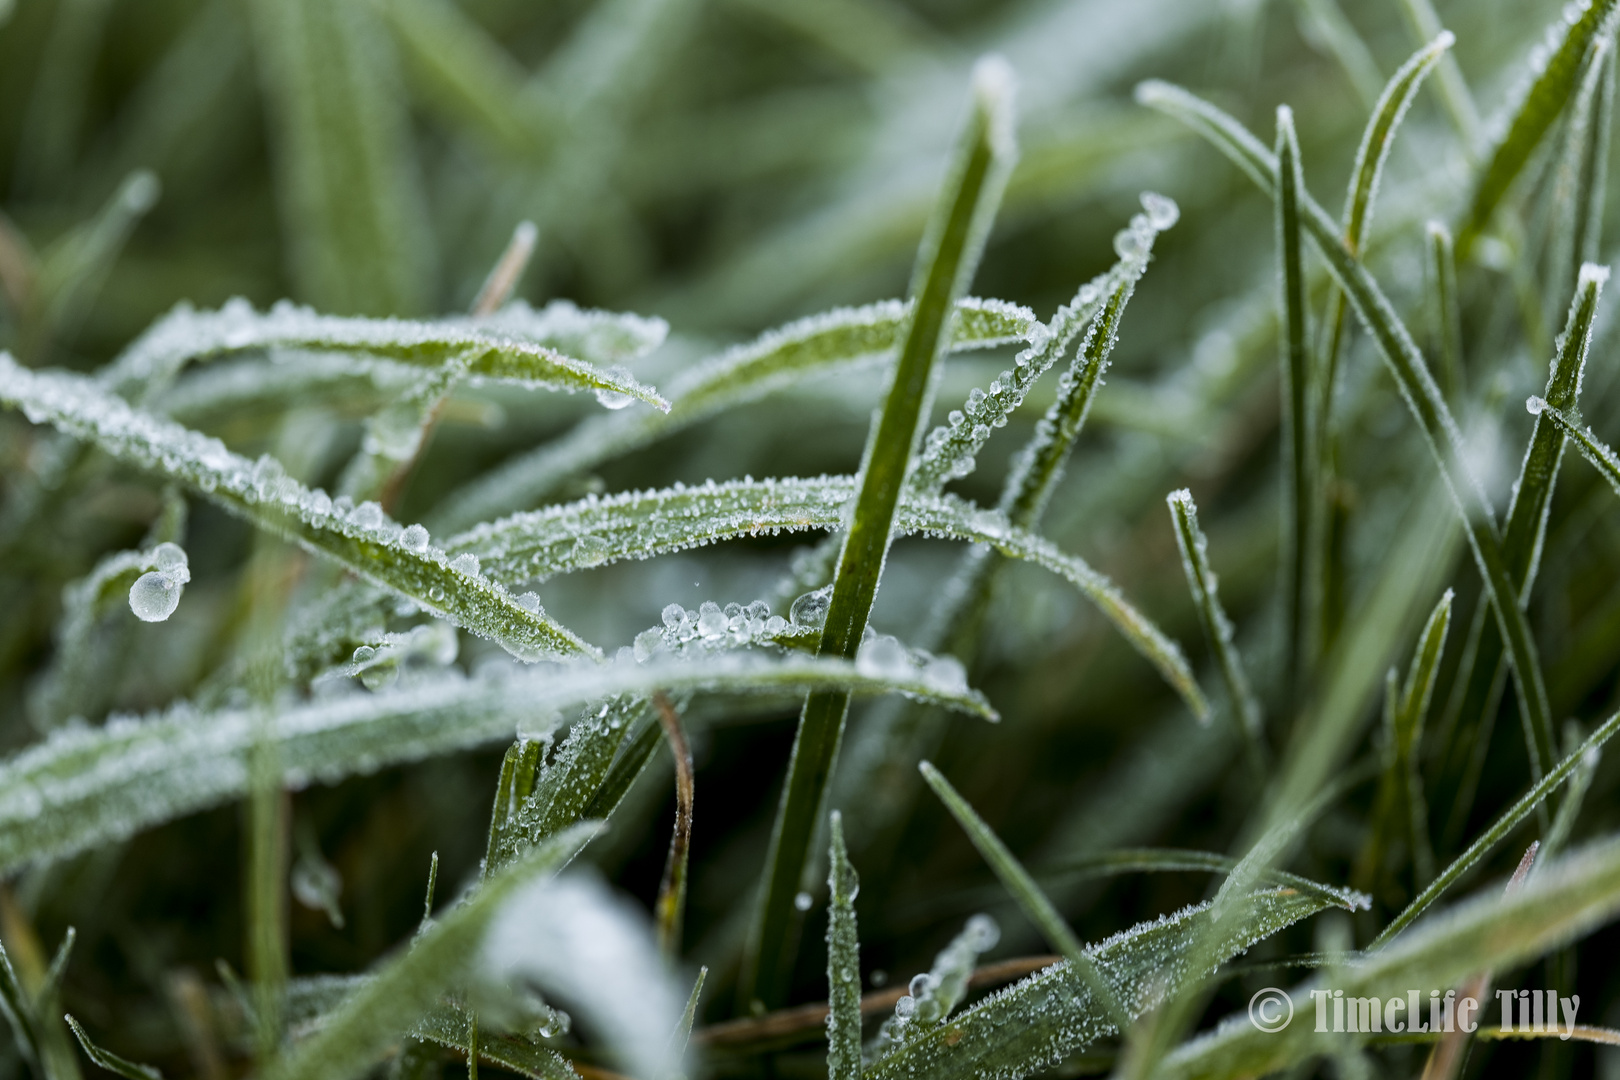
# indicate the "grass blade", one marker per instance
pixel 1592 449
pixel 1498 831
pixel 1447 310
pixel 1217 627
pixel 843 962
pixel 1028 895
pixel 1044 1019
pixel 1418 388
pixel 671 905
pixel 1407 734
pixel 1301 400
pixel 110 1061
pixel 1554 82
pixel 1579 177
pixel 945 263
pixel 1164 860
pixel 774 361
pixel 360 539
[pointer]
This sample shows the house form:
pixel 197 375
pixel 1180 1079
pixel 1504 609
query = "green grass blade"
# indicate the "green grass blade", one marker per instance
pixel 1447 309
pixel 843 963
pixel 1410 710
pixel 1301 398
pixel 1495 932
pixel 1449 83
pixel 1406 364
pixel 1592 449
pixel 1044 1019
pixel 72 271
pixel 1028 895
pixel 407 986
pixel 1167 860
pixel 362 539
pixel 595 531
pixel 1498 831
pixel 111 1062
pixel 1555 80
pixel 82 788
pixel 774 361
pixel 950 449
pixel 1217 627
pixel 946 260
pixel 352 209
pixel 1578 179
pixel 518 345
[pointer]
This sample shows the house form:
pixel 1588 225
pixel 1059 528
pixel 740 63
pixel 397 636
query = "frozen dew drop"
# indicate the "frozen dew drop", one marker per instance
pixel 956 417
pixel 775 625
pixel 672 615
pixel 1129 244
pixel 1162 211
pixel 168 557
pixel 983 932
pixel 711 620
pixel 369 515
pixel 905 1007
pixel 414 538
pixel 803 901
pixel 920 985
pixel 648 642
pixel 883 657
pixel 465 563
pixel 529 602
pixel 945 673
pixel 364 654
pixel 612 399
pixel 810 610
pixel 155 595
pixel 1534 406
pixel 590 550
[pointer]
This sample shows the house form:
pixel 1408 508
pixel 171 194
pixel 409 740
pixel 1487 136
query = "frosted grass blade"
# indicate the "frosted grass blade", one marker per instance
pixel 517 345
pixel 361 539
pixel 1217 627
pixel 843 962
pixel 1042 1020
pixel 1410 710
pixel 1568 899
pixel 1164 860
pixel 670 908
pixel 1447 309
pixel 72 270
pixel 1417 386
pixel 1554 81
pixel 1016 880
pixel 1579 175
pixel 1498 831
pixel 80 788
pixel 119 1066
pixel 946 260
pixel 1449 86
pixel 1592 449
pixel 407 986
pixel 774 361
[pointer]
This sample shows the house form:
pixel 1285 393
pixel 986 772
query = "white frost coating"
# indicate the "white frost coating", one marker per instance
pixel 573 937
pixel 488 349
pixel 936 992
pixel 602 337
pixel 362 538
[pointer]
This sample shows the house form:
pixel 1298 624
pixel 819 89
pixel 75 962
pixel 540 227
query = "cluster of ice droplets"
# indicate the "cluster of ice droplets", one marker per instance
pixel 933 994
pixel 156 593
pixel 709 628
pixel 953 447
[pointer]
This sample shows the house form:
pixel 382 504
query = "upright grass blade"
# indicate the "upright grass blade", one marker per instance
pixel 1450 86
pixel 1578 180
pixel 1301 403
pixel 352 209
pixel 773 361
pixel 1028 895
pixel 1162 860
pixel 408 985
pixel 1417 386
pixel 946 260
pixel 1406 733
pixel 843 962
pixel 72 271
pixel 1447 309
pixel 105 1059
pixel 671 906
pixel 360 539
pixel 1498 831
pixel 1217 627
pixel 1554 81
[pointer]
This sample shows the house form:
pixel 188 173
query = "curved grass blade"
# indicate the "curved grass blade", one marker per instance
pixel 1302 404
pixel 518 345
pixel 671 905
pixel 1563 902
pixel 361 539
pixel 773 361
pixel 1551 87
pixel 950 449
pixel 843 962
pixel 81 788
pixel 1163 860
pixel 1028 895
pixel 640 525
pixel 1217 627
pixel 1406 364
pixel 946 260
pixel 107 1060
pixel 1498 831
pixel 1592 449
pixel 1578 184
pixel 1042 1020
pixel 407 986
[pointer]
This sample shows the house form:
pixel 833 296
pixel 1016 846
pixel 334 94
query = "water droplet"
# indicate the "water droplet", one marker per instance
pixel 672 615
pixel 803 901
pixel 369 516
pixel 530 602
pixel 775 625
pixel 1534 406
pixel 168 557
pixel 810 610
pixel 1162 210
pixel 414 538
pixel 956 417
pixel 154 596
pixel 883 657
pixel 465 563
pixel 905 1007
pixel 983 933
pixel 612 399
pixel 921 984
pixel 711 620
pixel 590 550
pixel 364 654
pixel 1130 244
pixel 647 643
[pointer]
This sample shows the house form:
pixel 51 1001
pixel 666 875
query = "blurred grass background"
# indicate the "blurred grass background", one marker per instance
pixel 729 165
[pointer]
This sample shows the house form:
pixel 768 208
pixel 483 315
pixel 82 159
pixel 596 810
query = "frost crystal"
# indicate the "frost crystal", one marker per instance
pixel 156 594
